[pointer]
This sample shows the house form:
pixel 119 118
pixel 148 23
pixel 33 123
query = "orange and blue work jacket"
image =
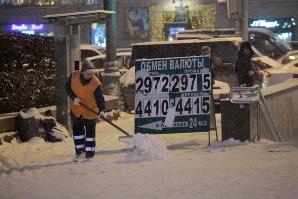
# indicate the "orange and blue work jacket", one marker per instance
pixel 89 93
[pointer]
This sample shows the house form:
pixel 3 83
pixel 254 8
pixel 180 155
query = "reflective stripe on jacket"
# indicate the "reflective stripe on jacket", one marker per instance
pixel 86 95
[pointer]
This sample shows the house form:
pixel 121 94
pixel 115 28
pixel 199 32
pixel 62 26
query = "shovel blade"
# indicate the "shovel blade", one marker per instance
pixel 124 139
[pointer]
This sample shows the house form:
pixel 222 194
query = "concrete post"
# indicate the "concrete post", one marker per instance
pixel 296 29
pixel 75 52
pixel 111 75
pixel 111 30
pixel 238 26
pixel 110 78
pixel 62 55
pixel 245 20
pixel 67 52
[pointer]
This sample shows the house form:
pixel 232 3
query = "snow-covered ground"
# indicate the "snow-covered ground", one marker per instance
pixel 168 166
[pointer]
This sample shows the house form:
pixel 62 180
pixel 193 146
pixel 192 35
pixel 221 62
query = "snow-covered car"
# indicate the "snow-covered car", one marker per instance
pixel 97 55
pixel 289 57
pixel 94 54
pixel 293 44
pixel 124 57
pixel 291 67
pixel 263 40
pixel 274 71
pixel 264 62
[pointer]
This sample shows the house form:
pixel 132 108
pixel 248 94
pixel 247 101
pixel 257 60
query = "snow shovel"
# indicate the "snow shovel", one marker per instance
pixel 121 138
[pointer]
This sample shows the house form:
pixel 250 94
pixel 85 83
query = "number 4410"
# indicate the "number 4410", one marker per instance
pixel 183 106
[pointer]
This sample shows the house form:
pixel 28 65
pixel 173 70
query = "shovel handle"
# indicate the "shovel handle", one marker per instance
pixel 106 120
pixel 115 126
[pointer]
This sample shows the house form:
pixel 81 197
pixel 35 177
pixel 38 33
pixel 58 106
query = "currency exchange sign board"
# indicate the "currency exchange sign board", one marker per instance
pixel 172 95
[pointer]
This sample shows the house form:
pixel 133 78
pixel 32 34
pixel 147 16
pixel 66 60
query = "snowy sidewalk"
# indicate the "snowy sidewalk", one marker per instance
pixel 189 170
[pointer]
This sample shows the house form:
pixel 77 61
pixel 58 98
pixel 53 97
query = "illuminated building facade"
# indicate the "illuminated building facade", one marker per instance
pixel 152 20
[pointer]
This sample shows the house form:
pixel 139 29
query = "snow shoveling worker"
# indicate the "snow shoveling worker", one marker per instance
pixel 83 87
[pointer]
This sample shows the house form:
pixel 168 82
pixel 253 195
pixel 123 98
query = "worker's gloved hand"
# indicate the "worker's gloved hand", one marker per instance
pixel 101 115
pixel 76 101
pixel 251 73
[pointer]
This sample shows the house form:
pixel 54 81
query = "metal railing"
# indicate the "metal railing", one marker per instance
pixel 247 95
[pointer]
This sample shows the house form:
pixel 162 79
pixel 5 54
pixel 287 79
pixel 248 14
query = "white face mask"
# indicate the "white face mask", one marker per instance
pixel 87 74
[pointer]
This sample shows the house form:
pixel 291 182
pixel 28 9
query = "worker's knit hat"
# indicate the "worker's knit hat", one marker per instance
pixel 87 65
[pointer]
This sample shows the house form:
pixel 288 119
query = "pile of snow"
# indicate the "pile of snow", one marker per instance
pixel 32 124
pixel 229 142
pixel 232 141
pixel 59 132
pixel 30 113
pixel 221 85
pixel 128 78
pixel 146 147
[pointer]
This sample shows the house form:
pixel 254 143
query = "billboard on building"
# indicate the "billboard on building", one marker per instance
pixel 284 28
pixel 98 34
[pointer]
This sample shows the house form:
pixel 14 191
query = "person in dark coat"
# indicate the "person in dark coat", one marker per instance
pixel 243 66
pixel 83 87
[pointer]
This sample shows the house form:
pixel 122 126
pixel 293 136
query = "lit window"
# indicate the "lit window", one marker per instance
pixel 45 2
pixel 92 2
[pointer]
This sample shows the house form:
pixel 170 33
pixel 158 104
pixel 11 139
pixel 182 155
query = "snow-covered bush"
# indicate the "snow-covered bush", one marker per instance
pixel 27 75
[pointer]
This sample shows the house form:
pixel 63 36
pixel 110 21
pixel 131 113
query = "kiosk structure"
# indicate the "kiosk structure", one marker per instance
pixel 67 51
